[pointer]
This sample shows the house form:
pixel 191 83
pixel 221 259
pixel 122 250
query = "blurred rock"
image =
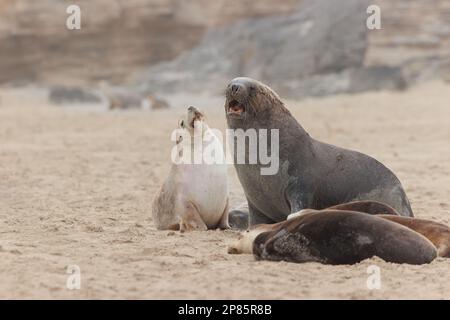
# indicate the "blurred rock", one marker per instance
pixel 117 38
pixel 299 47
pixel 123 99
pixel 351 80
pixel 62 95
pixel 320 40
pixel 415 36
pixel 126 98
pixel 376 78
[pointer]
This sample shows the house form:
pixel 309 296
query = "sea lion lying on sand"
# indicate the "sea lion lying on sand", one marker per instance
pixel 437 233
pixel 194 196
pixel 239 220
pixel 367 206
pixel 311 174
pixel 336 237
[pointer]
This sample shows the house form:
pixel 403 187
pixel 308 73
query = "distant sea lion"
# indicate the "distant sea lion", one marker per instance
pixel 312 174
pixel 155 103
pixel 336 237
pixel 194 196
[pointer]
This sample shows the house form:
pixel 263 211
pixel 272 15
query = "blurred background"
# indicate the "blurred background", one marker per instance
pixel 130 51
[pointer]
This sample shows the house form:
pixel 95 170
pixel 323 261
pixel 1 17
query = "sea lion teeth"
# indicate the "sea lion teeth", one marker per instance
pixel 235 108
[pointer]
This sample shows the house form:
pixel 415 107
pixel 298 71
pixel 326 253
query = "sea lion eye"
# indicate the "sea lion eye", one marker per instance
pixel 182 123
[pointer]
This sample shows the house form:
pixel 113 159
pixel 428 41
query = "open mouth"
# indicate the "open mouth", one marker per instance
pixel 235 108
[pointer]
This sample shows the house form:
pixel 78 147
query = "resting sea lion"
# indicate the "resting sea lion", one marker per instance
pixel 238 217
pixel 336 237
pixel 366 206
pixel 312 174
pixel 195 195
pixel 155 103
pixel 437 233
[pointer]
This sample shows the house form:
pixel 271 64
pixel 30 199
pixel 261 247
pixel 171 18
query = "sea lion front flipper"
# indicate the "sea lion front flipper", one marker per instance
pixel 190 219
pixel 257 217
pixel 238 218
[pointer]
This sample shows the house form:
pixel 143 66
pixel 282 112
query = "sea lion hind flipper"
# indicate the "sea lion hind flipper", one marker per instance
pixel 190 219
pixel 444 252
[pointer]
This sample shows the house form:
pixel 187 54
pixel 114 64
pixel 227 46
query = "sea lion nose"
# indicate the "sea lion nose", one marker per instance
pixel 235 88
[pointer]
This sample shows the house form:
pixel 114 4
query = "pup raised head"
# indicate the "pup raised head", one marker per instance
pixel 193 120
pixel 189 121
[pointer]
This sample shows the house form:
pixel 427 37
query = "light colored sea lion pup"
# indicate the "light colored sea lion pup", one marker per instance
pixel 194 196
pixel 336 237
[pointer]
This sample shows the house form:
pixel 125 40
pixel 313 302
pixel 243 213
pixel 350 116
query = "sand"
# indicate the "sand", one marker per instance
pixel 76 189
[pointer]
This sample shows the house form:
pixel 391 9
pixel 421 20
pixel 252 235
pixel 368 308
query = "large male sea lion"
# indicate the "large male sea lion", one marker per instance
pixel 195 195
pixel 335 237
pixel 312 174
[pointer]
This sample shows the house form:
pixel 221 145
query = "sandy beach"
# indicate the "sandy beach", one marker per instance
pixel 76 187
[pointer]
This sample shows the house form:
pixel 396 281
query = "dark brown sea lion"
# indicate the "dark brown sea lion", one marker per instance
pixel 311 174
pixel 437 233
pixel 239 220
pixel 336 237
pixel 366 206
